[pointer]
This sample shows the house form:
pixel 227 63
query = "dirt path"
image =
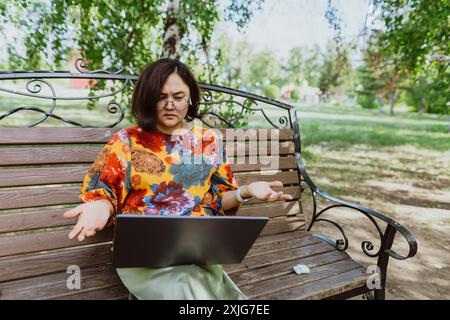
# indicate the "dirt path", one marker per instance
pixel 413 187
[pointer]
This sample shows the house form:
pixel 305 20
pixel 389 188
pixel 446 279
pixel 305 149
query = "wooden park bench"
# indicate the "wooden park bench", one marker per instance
pixel 41 173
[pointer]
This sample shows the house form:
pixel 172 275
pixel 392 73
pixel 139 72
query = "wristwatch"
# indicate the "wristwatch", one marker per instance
pixel 238 196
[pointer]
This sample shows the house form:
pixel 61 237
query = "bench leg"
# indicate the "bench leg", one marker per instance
pixel 374 295
pixel 380 294
pixel 383 260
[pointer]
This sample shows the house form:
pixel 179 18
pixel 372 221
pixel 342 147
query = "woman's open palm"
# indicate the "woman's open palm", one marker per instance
pixel 92 217
pixel 263 191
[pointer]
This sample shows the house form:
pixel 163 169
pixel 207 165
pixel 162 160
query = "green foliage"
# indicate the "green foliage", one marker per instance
pixel 240 11
pixel 294 95
pixel 336 65
pixel 235 72
pixel 112 33
pixel 368 87
pixel 379 78
pixel 264 68
pixel 415 30
pixel 302 64
pixel 429 93
pixel 367 101
pixel 272 91
pixel 415 40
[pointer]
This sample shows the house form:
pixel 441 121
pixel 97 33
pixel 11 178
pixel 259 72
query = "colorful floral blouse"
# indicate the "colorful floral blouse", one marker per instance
pixel 154 173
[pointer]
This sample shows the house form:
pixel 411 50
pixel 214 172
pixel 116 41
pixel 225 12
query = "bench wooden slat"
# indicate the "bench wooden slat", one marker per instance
pixel 239 149
pixel 48 155
pixel 277 225
pixel 87 154
pixel 275 209
pixel 259 250
pixel 259 281
pixel 286 177
pixel 40 241
pixel 54 285
pixel 28 265
pixel 280 256
pixel 42 176
pixel 13 222
pixel 324 281
pixel 285 286
pixel 261 163
pixel 36 197
pixel 75 174
pixel 268 239
pixel 241 164
pixel 334 285
pixel 34 220
pixel 29 198
pixel 12 135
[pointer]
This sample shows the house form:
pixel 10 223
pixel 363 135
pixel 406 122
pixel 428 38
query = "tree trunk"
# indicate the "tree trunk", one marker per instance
pixel 173 32
pixel 381 103
pixel 392 100
pixel 421 106
pixel 205 48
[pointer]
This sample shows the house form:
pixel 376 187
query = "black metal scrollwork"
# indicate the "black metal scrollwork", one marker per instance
pixel 245 105
pixel 212 95
pixel 367 246
pixel 38 78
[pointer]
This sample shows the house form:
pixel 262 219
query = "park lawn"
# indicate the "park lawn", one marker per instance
pixel 370 145
pixel 397 165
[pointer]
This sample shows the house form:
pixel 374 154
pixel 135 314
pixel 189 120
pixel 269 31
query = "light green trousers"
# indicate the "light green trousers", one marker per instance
pixel 185 282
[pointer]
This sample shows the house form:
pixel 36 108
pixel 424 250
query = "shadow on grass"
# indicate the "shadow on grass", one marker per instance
pixel 347 133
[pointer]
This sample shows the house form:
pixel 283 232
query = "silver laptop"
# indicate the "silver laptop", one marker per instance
pixel 160 241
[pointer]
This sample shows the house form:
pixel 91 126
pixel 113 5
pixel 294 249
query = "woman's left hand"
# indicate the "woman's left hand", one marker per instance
pixel 262 190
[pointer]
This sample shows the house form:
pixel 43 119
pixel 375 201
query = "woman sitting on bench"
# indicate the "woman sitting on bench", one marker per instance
pixel 166 165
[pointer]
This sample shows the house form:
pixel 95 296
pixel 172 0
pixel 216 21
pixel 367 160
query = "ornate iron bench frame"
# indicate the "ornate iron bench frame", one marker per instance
pixel 249 103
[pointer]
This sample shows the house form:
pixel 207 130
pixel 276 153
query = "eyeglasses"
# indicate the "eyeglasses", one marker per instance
pixel 179 103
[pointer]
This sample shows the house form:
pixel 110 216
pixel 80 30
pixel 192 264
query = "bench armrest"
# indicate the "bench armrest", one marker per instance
pixel 386 237
pixel 393 226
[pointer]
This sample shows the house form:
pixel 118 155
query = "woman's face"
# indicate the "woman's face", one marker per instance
pixel 172 106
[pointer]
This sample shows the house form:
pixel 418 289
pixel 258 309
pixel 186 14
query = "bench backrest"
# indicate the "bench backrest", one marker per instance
pixel 41 174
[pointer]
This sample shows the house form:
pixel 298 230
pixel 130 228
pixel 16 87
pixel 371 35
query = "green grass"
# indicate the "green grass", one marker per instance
pixel 343 128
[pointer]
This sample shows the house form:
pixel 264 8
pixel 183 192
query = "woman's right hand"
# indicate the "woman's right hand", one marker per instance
pixel 92 217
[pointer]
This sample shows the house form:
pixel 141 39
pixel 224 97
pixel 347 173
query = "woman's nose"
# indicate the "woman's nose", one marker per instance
pixel 169 105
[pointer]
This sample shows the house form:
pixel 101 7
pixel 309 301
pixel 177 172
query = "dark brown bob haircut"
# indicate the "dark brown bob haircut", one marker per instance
pixel 148 88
